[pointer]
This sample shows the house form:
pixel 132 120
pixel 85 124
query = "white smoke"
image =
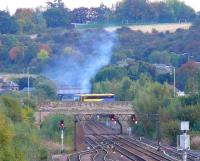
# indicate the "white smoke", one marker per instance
pixel 77 72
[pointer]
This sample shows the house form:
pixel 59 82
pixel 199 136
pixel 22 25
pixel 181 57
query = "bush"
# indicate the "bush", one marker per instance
pixel 196 125
pixel 13 110
pixel 195 142
pixel 50 129
pixel 19 139
pixel 170 130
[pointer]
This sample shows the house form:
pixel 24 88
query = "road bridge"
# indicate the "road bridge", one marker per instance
pixel 84 111
pixel 46 109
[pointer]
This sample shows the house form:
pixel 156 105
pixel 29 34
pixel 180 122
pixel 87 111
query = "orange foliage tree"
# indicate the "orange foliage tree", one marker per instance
pixel 14 52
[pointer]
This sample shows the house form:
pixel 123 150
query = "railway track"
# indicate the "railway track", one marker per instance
pixel 125 148
pixel 101 152
pixel 146 153
pixel 168 150
pixel 102 142
pixel 120 149
pixel 93 128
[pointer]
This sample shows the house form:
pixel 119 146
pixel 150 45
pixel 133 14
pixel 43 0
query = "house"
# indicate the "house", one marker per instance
pixel 68 93
pixel 180 93
pixel 163 69
pixel 6 86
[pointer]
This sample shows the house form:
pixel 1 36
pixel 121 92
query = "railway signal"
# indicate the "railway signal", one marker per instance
pixel 134 119
pixel 62 124
pixel 113 118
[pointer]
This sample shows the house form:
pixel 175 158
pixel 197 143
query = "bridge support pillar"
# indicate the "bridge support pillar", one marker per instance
pixel 124 127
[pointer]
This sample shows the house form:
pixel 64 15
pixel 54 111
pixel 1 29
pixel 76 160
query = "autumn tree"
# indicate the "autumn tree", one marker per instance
pixel 187 76
pixel 24 17
pixel 30 21
pixel 14 52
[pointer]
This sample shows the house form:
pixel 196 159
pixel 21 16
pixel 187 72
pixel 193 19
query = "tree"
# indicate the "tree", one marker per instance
pixel 13 52
pixel 6 137
pixel 56 15
pixel 39 21
pixel 24 18
pixel 45 89
pixel 80 15
pixel 132 10
pixel 42 54
pixel 187 75
pixel 160 12
pixel 180 11
pixel 150 98
pixel 99 14
pixel 8 24
pixel 55 4
pixel 160 57
pixel 13 109
pixel 110 73
pixel 30 21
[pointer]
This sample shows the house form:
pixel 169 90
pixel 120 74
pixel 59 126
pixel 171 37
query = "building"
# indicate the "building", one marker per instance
pixel 6 86
pixel 163 69
pixel 180 93
pixel 68 93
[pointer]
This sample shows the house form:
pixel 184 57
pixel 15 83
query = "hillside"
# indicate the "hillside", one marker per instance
pixel 52 52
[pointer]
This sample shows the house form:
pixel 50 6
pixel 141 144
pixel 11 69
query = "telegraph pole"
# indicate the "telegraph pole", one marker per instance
pixel 62 135
pixel 174 82
pixel 28 82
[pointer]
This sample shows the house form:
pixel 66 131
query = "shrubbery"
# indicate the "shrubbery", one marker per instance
pixel 19 138
pixel 50 129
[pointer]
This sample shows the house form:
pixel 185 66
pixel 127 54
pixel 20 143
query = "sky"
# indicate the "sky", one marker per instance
pixel 13 4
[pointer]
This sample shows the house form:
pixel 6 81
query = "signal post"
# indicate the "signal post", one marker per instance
pixel 62 135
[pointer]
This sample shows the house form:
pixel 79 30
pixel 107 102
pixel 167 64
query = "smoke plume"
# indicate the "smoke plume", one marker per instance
pixel 76 65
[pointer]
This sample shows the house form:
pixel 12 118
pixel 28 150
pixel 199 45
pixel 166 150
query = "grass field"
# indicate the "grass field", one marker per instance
pixel 171 27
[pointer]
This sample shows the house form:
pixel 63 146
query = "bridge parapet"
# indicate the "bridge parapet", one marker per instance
pixel 46 109
pixel 67 105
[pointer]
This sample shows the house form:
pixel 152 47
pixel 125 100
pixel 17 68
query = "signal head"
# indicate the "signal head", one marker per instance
pixel 61 124
pixel 134 119
pixel 112 117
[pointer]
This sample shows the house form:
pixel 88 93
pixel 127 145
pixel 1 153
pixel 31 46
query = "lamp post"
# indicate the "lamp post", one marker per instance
pixel 28 79
pixel 173 71
pixel 28 75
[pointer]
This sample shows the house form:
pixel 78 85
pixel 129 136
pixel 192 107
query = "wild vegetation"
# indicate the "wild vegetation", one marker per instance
pixel 125 12
pixel 19 138
pixel 50 131
pixel 34 38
